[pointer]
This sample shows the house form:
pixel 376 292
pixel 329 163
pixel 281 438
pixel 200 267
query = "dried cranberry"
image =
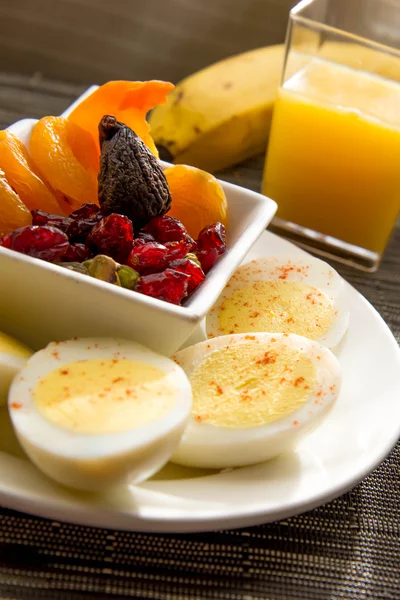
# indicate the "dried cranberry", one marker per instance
pixel 190 241
pixel 185 265
pixel 76 253
pixel 166 229
pixel 211 243
pixel 83 220
pixel 6 240
pixel 79 230
pixel 86 211
pixel 140 242
pixel 47 243
pixel 40 217
pixel 113 236
pixel 212 236
pixel 208 258
pixel 180 248
pixel 146 237
pixel 147 257
pixel 170 285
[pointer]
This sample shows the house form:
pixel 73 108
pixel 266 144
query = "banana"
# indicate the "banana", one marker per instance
pixel 221 115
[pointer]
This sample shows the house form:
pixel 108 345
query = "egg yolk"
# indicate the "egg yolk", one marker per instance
pixel 277 306
pixel 251 384
pixel 104 395
pixel 10 346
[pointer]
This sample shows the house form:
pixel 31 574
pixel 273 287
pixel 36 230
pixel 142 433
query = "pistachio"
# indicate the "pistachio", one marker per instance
pixel 192 256
pixel 104 268
pixel 128 277
pixel 74 266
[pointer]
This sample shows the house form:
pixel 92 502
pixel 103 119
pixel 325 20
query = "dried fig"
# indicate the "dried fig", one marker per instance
pixel 131 180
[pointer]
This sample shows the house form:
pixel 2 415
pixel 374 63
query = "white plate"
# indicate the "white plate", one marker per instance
pixel 359 432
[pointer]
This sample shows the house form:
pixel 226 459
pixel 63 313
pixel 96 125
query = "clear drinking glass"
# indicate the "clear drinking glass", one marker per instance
pixel 333 160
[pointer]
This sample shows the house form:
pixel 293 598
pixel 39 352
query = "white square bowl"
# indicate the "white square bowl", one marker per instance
pixel 41 302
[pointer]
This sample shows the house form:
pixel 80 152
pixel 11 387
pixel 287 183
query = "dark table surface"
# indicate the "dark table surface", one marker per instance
pixel 349 548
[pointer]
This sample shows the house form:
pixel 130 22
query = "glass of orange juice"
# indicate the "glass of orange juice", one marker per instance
pixel 333 159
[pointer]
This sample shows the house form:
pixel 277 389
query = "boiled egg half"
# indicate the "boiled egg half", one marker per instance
pixel 254 397
pixel 286 294
pixel 13 356
pixel 93 413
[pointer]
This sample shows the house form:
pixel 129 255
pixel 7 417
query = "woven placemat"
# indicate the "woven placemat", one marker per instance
pixel 348 549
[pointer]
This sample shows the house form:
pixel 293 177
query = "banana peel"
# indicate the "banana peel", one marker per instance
pixel 221 115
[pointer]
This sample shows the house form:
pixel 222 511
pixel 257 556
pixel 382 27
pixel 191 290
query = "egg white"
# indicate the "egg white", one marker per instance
pixel 208 446
pixel 96 461
pixel 308 270
pixel 13 356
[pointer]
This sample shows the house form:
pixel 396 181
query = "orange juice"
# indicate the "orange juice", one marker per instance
pixel 333 161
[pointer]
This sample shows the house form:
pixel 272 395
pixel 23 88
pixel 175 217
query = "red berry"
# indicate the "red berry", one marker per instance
pixel 147 257
pixel 211 243
pixel 212 236
pixel 82 221
pixel 146 237
pixel 170 285
pixel 40 217
pixel 185 265
pixel 76 253
pixel 79 230
pixel 6 240
pixel 190 241
pixel 47 243
pixel 208 258
pixel 166 229
pixel 113 236
pixel 180 248
pixel 86 211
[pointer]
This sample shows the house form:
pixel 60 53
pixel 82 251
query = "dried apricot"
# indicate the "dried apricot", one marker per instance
pixel 197 198
pixel 23 176
pixel 13 212
pixel 128 101
pixel 67 157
